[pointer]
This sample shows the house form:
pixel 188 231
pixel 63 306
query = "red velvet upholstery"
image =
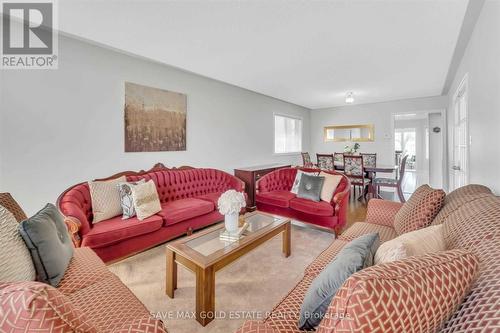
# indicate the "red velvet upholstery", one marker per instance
pixel 184 209
pixel 172 185
pixel 276 198
pixel 212 197
pixel 320 208
pixel 114 230
pixel 273 190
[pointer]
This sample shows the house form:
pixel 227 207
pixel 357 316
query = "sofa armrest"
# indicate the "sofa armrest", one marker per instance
pixel 146 324
pixel 35 306
pixel 73 225
pixel 254 326
pixel 382 212
pixel 415 294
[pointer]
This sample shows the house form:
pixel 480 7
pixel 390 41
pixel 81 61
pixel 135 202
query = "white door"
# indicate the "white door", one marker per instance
pixel 460 163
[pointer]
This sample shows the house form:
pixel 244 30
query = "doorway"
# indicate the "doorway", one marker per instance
pixel 419 135
pixel 461 139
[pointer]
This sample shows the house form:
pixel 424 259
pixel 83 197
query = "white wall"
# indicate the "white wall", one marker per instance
pixel 436 152
pixel 481 62
pixel 60 127
pixel 378 114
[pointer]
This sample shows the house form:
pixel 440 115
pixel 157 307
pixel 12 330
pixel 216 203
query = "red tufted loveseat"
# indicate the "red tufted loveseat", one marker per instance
pixel 189 201
pixel 274 196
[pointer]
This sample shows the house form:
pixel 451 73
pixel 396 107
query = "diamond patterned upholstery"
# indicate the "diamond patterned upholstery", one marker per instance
pixel 253 326
pixel 38 307
pixel 325 257
pixel 7 201
pixel 476 227
pixel 420 210
pixel 382 212
pixel 362 228
pixel 285 316
pixel 109 304
pixel 85 269
pixel 416 294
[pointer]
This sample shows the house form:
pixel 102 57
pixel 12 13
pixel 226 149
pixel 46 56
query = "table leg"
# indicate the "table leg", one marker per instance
pixel 171 276
pixel 287 240
pixel 205 295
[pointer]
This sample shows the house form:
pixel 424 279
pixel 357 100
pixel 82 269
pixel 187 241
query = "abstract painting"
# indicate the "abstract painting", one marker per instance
pixel 155 119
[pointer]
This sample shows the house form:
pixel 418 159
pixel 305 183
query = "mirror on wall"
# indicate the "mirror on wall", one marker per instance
pixel 355 133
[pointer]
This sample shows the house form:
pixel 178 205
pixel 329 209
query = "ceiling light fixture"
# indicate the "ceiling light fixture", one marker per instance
pixel 349 98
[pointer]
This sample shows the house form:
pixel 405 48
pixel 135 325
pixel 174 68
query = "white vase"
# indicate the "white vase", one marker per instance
pixel 231 222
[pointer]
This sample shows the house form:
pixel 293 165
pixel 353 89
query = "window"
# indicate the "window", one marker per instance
pixel 287 134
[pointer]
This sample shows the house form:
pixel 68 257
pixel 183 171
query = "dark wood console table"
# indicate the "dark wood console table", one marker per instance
pixel 250 175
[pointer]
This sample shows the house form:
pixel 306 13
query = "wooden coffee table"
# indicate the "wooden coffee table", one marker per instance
pixel 204 254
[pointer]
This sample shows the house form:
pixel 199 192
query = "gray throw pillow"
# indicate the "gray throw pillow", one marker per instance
pixel 310 187
pixel 355 256
pixel 48 240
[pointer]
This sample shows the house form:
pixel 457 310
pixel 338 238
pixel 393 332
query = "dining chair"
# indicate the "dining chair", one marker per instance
pixel 306 160
pixel 355 171
pixel 325 161
pixel 391 182
pixel 338 159
pixel 369 159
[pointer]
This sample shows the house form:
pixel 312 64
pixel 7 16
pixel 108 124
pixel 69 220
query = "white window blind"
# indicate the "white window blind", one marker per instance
pixel 287 134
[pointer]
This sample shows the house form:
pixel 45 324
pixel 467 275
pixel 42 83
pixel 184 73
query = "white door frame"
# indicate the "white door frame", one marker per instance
pixel 463 88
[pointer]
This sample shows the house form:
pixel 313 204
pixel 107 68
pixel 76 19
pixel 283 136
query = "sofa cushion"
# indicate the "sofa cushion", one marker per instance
pixel 355 256
pixel 48 239
pixel 85 269
pixel 105 197
pixel 184 209
pixel 212 197
pixel 311 207
pixel 413 243
pixel 15 257
pixel 363 228
pixel 38 307
pixel 108 304
pixel 275 198
pixel 146 201
pixel 114 230
pixel 310 187
pixel 417 294
pixel 420 210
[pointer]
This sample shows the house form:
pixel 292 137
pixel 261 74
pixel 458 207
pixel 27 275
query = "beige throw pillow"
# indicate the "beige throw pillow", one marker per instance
pixel 15 258
pixel 329 185
pixel 146 201
pixel 105 198
pixel 414 243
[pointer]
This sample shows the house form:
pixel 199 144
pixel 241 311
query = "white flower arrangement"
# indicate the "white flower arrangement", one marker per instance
pixel 231 202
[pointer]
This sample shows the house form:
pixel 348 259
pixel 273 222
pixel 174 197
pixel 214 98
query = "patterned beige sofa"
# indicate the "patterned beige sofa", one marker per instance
pixel 89 299
pixel 471 223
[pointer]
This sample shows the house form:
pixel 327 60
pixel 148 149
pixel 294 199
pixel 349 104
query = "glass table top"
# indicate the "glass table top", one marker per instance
pixel 210 242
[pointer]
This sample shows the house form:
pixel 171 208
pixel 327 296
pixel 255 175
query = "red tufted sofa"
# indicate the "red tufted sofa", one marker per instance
pixel 273 196
pixel 189 201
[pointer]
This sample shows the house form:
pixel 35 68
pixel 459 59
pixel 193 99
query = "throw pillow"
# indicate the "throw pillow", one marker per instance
pixel 146 201
pixel 355 256
pixel 329 186
pixel 14 255
pixel 51 248
pixel 127 202
pixel 296 182
pixel 419 211
pixel 310 187
pixel 105 198
pixel 414 243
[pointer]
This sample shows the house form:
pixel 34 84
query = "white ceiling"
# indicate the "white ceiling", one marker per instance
pixel 306 52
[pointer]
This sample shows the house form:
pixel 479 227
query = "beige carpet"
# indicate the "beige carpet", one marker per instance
pixel 248 287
